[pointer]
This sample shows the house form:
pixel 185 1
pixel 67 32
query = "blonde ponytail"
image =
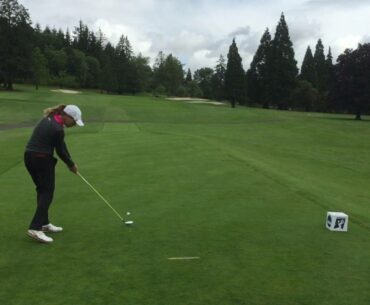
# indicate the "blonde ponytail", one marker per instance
pixel 54 110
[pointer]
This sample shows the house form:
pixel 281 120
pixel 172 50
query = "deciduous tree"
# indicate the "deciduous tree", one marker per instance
pixel 15 41
pixel 39 67
pixel 203 77
pixel 351 90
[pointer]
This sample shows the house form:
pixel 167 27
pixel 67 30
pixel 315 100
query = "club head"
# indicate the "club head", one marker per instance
pixel 129 223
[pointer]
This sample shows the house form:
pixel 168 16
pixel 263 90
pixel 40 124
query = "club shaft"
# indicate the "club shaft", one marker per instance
pixel 106 202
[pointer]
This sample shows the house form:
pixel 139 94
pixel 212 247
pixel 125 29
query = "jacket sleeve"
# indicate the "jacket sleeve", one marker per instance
pixel 62 151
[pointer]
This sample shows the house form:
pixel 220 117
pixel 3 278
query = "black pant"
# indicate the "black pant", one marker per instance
pixel 42 170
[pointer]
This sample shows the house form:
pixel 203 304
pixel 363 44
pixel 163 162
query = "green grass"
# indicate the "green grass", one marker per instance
pixel 246 190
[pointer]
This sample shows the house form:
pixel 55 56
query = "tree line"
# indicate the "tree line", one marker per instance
pixel 84 59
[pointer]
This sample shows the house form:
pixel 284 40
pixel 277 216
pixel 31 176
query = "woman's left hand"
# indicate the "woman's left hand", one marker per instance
pixel 74 169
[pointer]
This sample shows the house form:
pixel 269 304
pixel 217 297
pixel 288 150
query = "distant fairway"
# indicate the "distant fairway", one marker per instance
pixel 246 190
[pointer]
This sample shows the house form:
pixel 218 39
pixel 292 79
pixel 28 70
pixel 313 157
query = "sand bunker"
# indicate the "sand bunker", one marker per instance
pixel 192 100
pixel 205 102
pixel 66 91
pixel 186 99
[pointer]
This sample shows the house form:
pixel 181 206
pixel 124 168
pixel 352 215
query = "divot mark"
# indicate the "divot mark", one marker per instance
pixel 183 258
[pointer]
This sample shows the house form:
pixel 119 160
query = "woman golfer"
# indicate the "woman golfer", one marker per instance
pixel 40 163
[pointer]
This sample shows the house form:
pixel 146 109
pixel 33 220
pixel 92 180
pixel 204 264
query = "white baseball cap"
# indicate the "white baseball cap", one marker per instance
pixel 75 113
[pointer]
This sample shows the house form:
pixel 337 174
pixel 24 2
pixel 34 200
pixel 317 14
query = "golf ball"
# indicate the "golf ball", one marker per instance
pixel 128 213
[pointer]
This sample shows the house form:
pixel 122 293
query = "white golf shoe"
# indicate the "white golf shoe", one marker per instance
pixel 51 228
pixel 39 236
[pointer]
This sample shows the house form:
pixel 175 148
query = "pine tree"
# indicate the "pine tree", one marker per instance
pixel 37 37
pixel 320 66
pixel 96 46
pixel 329 70
pixel 108 80
pixel 102 40
pixel 189 77
pixel 234 76
pixel 81 38
pixel 159 72
pixel 67 40
pixel 257 75
pixel 218 80
pixel 329 58
pixel 60 39
pixel 92 47
pixel 283 67
pixel 123 56
pixel 308 69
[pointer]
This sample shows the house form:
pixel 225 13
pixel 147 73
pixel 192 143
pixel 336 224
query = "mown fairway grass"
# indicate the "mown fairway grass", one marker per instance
pixel 246 190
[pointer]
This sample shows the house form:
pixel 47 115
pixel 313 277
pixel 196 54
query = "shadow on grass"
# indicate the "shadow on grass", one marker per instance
pixel 17 125
pixel 348 119
pixel 15 90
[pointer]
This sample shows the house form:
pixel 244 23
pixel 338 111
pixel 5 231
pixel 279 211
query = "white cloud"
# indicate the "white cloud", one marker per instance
pixel 365 39
pixel 139 41
pixel 201 58
pixel 349 42
pixel 336 3
pixel 198 31
pixel 242 31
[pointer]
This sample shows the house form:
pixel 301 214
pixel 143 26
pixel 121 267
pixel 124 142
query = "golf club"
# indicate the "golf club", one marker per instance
pixel 128 222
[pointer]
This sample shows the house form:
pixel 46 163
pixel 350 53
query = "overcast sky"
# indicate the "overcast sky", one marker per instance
pixel 198 31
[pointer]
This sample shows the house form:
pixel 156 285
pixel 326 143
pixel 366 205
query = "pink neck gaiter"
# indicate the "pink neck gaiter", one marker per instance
pixel 58 118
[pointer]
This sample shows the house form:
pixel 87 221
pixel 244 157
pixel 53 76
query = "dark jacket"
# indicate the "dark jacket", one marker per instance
pixel 47 136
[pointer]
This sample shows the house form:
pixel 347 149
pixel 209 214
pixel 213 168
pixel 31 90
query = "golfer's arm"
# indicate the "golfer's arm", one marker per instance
pixel 62 151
